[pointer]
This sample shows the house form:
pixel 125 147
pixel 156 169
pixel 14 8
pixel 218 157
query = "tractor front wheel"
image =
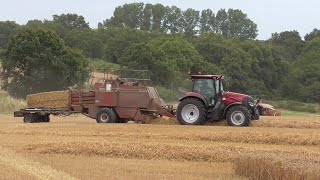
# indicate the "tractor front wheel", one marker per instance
pixel 191 111
pixel 238 116
pixel 106 115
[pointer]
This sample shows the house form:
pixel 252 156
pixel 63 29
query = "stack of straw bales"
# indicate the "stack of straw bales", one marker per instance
pixel 52 100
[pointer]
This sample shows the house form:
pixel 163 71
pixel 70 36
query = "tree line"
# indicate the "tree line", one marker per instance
pixel 166 19
pixel 167 41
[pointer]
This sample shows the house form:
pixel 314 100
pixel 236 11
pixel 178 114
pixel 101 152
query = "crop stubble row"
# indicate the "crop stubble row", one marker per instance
pixel 293 150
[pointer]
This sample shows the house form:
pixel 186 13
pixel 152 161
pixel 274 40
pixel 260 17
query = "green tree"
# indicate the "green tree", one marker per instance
pixel 288 44
pixel 207 21
pixel 239 25
pixel 234 23
pixel 303 83
pixel 115 21
pixel 222 24
pixel 268 71
pixel 147 18
pixel 158 14
pixel 144 56
pixel 34 24
pixel 38 61
pixel 7 28
pixel 71 21
pixel 190 22
pixel 49 25
pixel 236 65
pixel 117 40
pixel 158 18
pixel 86 40
pixel 127 15
pixel 212 47
pixel 314 34
pixel 167 58
pixel 132 15
pixel 182 54
pixel 173 20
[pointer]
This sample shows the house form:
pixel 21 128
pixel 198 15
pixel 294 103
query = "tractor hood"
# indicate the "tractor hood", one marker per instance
pixel 231 97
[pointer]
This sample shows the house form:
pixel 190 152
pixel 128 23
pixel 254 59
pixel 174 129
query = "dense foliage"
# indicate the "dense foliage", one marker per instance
pixel 170 42
pixel 165 19
pixel 38 61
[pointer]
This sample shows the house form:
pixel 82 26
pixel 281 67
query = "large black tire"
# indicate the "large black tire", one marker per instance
pixel 106 115
pixel 255 115
pixel 238 116
pixel 47 118
pixel 40 118
pixel 29 118
pixel 191 111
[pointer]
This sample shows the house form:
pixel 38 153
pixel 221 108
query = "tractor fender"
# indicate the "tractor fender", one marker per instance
pixel 229 106
pixel 195 95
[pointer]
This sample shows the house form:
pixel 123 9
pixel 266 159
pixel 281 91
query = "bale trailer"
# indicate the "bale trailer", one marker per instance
pixel 116 100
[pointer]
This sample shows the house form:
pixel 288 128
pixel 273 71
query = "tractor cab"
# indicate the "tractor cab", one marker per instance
pixel 209 86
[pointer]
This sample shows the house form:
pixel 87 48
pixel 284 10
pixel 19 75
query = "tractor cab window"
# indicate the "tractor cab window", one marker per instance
pixel 219 86
pixel 206 88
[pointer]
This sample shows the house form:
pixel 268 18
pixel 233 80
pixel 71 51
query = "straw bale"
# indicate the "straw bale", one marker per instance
pixel 54 99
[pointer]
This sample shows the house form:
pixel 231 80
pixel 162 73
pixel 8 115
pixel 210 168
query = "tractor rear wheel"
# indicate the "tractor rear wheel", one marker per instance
pixel 191 111
pixel 106 115
pixel 238 116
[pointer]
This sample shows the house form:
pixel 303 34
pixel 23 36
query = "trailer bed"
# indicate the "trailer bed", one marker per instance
pixel 43 111
pixel 33 115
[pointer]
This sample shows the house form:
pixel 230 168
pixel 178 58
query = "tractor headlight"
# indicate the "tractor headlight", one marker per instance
pixel 251 104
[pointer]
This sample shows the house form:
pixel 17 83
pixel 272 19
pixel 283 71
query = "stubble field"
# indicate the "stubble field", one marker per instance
pixel 77 148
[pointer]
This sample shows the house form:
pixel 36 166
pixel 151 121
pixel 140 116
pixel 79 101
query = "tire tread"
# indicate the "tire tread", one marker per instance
pixel 196 102
pixel 244 110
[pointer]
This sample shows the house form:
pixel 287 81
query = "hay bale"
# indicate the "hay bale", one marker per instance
pixel 52 100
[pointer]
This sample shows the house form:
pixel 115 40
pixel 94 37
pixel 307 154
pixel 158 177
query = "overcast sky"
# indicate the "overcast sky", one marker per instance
pixel 270 15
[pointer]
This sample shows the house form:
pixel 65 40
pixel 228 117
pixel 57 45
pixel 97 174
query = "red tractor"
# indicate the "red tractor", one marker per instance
pixel 209 102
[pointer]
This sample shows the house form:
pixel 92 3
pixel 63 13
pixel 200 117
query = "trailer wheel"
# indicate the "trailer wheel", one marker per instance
pixel 39 118
pixel 29 119
pixel 46 118
pixel 106 115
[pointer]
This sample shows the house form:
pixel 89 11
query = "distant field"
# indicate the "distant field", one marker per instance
pixel 77 148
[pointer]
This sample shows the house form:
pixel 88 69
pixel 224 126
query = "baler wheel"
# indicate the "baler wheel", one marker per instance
pixel 106 115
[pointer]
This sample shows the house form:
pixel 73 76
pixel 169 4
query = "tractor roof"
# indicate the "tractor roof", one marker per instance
pixel 207 77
